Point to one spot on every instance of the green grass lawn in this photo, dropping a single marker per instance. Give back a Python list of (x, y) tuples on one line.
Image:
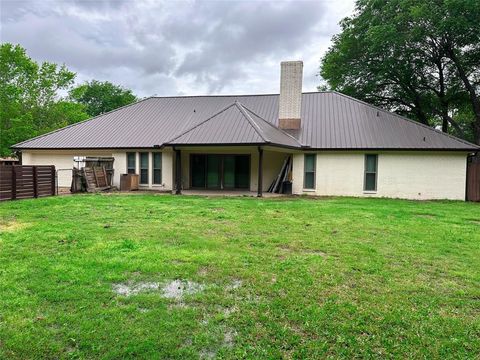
[(93, 276)]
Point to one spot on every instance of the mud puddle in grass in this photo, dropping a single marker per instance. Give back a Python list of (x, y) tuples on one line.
[(175, 289), (131, 288)]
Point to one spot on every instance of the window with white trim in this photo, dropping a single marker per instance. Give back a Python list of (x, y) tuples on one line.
[(144, 168), (157, 168), (309, 171), (131, 163), (370, 183)]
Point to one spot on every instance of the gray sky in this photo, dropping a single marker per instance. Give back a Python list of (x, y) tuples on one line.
[(177, 47)]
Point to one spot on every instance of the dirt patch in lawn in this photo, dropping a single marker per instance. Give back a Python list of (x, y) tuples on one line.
[(234, 285), (203, 271), (229, 338), (426, 216), (228, 341), (131, 288), (207, 354), (230, 310), (314, 252), (10, 226)]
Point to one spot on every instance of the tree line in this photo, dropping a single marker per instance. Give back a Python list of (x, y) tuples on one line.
[(419, 58), (37, 98)]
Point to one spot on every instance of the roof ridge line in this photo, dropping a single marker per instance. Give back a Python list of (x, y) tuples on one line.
[(197, 125), (233, 95), (273, 126), (80, 122), (251, 121), (405, 118)]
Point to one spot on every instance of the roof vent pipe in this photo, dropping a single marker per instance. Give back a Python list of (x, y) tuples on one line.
[(290, 100)]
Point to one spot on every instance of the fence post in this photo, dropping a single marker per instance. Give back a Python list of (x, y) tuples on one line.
[(35, 182), (53, 180), (14, 183)]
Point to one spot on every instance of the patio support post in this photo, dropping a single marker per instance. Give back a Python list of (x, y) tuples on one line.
[(178, 172), (260, 172)]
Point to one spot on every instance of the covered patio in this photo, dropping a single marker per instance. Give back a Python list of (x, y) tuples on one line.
[(227, 169), (212, 157)]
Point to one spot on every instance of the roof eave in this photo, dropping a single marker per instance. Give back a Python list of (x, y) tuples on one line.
[(303, 147), (468, 150)]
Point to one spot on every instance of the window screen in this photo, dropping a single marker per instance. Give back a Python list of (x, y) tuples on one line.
[(131, 163), (309, 176), (370, 173), (143, 168), (157, 168)]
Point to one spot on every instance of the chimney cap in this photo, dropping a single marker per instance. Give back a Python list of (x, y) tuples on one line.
[(291, 62)]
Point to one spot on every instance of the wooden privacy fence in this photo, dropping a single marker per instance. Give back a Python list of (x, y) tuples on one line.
[(473, 178), (26, 181)]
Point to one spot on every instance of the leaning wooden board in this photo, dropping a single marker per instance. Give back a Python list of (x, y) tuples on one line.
[(96, 179)]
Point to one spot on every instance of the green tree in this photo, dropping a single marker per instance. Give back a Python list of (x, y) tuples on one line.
[(419, 58), (29, 97), (101, 97)]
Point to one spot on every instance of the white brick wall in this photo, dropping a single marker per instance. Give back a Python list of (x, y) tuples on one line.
[(408, 175)]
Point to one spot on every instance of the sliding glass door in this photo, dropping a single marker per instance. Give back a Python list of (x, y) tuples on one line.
[(242, 172), (218, 171), (229, 171), (214, 170), (198, 172)]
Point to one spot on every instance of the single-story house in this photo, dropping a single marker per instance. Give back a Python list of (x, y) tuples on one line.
[(338, 145)]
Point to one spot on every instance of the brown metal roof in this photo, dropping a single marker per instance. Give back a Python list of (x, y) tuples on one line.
[(234, 124), (330, 121)]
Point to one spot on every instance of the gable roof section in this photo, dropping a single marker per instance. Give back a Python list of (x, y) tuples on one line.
[(234, 125), (330, 121)]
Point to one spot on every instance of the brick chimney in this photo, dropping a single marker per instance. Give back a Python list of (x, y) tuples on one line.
[(290, 100)]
